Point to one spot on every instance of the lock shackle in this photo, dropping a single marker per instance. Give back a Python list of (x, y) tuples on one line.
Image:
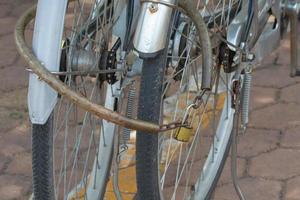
[(187, 112)]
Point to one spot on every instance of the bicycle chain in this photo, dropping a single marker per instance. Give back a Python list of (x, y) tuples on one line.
[(198, 100)]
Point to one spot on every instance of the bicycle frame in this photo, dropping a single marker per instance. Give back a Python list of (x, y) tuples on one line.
[(265, 34)]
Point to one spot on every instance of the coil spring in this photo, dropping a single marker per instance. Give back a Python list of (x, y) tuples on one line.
[(129, 113), (246, 99)]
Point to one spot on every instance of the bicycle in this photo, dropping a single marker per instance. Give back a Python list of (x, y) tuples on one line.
[(188, 63)]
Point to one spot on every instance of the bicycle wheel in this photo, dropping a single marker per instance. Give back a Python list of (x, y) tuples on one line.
[(72, 152), (168, 168)]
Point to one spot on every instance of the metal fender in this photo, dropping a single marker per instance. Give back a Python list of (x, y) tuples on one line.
[(152, 28), (46, 46)]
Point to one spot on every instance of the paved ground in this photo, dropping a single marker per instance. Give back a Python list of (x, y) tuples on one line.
[(269, 153)]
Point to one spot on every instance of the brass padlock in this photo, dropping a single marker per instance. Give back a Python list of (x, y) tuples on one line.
[(183, 134)]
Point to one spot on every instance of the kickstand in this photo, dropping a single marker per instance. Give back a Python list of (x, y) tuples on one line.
[(234, 176), (292, 12)]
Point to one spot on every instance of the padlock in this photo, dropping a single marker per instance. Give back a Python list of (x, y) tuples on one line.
[(183, 134)]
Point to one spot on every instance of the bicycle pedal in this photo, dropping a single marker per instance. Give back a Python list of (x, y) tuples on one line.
[(183, 134)]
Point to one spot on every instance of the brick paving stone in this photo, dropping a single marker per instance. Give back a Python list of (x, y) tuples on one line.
[(11, 118), (256, 141), (278, 164), (20, 164), (8, 52), (22, 6), (290, 94), (13, 77), (16, 140), (278, 116), (14, 187), (261, 97), (5, 2), (274, 76), (292, 189), (11, 149), (5, 9), (254, 189), (291, 138), (15, 99), (9, 24)]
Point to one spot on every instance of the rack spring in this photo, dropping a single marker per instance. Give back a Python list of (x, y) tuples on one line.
[(129, 113), (246, 98)]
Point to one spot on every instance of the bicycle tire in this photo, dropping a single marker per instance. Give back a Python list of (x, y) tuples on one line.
[(42, 141), (47, 139), (147, 161), (146, 143)]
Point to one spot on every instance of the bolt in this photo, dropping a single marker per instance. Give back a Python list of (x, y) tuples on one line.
[(153, 7), (250, 56)]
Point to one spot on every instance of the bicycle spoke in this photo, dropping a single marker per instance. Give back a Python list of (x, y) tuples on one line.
[(178, 159)]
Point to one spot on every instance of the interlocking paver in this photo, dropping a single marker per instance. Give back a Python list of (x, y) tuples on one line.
[(10, 149), (22, 5), (278, 116), (5, 9), (257, 141), (279, 164), (292, 189), (21, 165), (10, 118), (261, 97), (291, 138), (8, 23), (15, 99), (290, 94), (5, 2), (8, 52), (14, 187), (16, 140), (254, 189), (13, 77), (274, 76)]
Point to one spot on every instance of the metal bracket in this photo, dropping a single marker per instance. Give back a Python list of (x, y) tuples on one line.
[(235, 130)]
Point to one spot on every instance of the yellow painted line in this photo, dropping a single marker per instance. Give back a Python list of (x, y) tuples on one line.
[(127, 184), (79, 195)]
